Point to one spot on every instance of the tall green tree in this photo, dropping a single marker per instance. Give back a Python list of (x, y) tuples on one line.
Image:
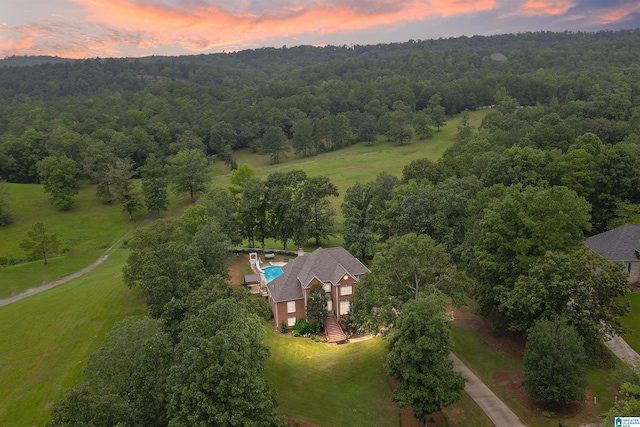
[(288, 212), (59, 175), (579, 286), (437, 111), (188, 172), (515, 229), (154, 184), (419, 347), (212, 245), (252, 212), (222, 205), (317, 306), (222, 139), (303, 137), (407, 267), (422, 124), (554, 361), (217, 379), (465, 130), (120, 175), (240, 177), (84, 405), (6, 217), (357, 229), (316, 191), (39, 243), (274, 144)]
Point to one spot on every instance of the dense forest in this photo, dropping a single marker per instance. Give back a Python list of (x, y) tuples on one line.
[(319, 98), (500, 217)]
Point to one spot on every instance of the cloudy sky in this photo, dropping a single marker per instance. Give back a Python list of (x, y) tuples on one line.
[(117, 28)]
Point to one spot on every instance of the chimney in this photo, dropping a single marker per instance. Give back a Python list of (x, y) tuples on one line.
[(300, 252)]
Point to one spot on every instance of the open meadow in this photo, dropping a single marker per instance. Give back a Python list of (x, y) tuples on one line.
[(47, 339)]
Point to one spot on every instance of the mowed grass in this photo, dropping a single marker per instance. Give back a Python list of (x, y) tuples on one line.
[(330, 385), (86, 231), (344, 385), (47, 338), (356, 163), (632, 321)]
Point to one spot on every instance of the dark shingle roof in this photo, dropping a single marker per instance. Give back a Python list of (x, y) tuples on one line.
[(619, 244), (327, 265)]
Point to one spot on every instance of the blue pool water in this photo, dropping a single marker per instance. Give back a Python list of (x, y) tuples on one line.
[(272, 272)]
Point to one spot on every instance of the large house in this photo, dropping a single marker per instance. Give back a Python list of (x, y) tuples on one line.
[(335, 269), (622, 245)]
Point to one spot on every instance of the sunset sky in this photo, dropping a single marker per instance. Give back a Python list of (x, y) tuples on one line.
[(117, 28)]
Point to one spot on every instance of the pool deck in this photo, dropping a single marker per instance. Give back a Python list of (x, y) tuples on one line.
[(262, 288)]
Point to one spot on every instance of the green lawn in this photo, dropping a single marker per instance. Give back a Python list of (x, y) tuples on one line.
[(330, 385), (632, 321), (342, 385), (47, 338)]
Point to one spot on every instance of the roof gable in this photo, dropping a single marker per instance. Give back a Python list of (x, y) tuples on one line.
[(325, 265), (619, 244)]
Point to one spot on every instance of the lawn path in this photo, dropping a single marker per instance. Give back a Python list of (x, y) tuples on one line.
[(46, 286), (495, 409)]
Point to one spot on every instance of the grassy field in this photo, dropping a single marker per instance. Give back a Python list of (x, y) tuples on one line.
[(86, 232), (357, 163), (47, 339), (343, 385)]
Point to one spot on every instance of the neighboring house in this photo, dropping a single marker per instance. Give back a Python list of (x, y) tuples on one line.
[(621, 244), (334, 268)]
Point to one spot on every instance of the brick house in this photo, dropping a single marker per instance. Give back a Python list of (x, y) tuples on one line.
[(622, 245), (335, 269)]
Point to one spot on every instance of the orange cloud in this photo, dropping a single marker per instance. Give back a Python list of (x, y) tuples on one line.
[(546, 7), (206, 27), (621, 13)]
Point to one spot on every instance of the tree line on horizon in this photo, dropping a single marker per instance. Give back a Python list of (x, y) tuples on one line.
[(320, 99)]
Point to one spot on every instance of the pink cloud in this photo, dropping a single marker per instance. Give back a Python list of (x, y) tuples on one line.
[(546, 7), (205, 26), (620, 13)]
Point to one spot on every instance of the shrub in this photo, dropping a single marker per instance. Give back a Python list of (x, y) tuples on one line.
[(302, 327), (283, 328)]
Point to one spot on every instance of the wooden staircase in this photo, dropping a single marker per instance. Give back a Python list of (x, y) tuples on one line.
[(333, 330)]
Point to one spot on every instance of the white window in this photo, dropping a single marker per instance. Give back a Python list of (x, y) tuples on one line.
[(291, 306), (344, 307), (329, 305), (327, 287), (291, 321), (346, 290)]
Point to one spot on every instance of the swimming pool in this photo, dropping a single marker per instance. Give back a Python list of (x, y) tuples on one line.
[(272, 272)]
